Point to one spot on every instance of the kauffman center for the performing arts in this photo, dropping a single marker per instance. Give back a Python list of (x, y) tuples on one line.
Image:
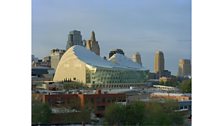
[(82, 65)]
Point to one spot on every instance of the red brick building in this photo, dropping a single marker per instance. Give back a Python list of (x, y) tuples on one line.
[(96, 102), (99, 101)]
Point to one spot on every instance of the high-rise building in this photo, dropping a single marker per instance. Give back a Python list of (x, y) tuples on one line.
[(137, 58), (184, 68), (56, 55), (93, 45), (74, 38), (159, 62), (115, 51)]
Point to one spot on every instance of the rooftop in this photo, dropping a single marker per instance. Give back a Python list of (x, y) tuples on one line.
[(116, 61)]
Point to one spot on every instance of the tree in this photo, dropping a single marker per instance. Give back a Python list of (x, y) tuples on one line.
[(86, 111), (162, 114), (185, 86), (40, 112), (153, 113), (115, 114), (73, 104), (134, 113), (74, 85)]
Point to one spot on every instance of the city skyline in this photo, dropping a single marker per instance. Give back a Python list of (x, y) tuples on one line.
[(143, 27)]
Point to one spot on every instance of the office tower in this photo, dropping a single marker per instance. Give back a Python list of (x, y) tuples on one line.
[(159, 62), (184, 68), (137, 58), (56, 55), (74, 38), (114, 51), (92, 44)]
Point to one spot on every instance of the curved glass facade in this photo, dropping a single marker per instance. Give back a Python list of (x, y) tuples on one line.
[(105, 76)]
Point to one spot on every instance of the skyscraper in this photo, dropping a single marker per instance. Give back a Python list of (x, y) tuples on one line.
[(159, 62), (92, 44), (184, 68), (137, 58), (74, 38)]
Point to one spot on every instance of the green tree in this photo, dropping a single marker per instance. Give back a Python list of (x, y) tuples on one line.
[(115, 114), (134, 113), (40, 112), (185, 86), (153, 113), (74, 85), (85, 116), (162, 114)]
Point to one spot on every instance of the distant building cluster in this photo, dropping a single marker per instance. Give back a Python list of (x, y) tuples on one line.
[(81, 62), (184, 69), (75, 38), (77, 78)]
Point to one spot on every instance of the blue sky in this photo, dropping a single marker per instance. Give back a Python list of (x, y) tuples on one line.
[(143, 26)]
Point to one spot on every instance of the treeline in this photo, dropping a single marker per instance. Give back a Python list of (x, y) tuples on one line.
[(184, 86), (42, 114), (141, 114)]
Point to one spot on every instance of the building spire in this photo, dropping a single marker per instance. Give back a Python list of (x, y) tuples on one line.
[(93, 38)]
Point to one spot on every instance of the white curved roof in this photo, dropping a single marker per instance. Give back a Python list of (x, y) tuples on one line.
[(116, 61), (90, 57), (123, 61)]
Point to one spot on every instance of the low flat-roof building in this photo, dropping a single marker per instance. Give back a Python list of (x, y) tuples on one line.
[(97, 101), (167, 79), (173, 96), (40, 74)]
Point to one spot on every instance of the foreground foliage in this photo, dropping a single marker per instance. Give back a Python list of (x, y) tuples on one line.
[(185, 86), (139, 113), (40, 113)]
